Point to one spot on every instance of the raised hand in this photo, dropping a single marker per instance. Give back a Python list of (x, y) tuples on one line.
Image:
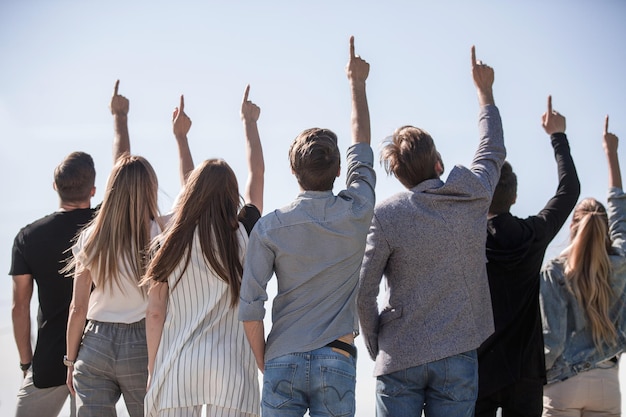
[(250, 112), (483, 76), (357, 68), (119, 104), (552, 121), (610, 141), (181, 123)]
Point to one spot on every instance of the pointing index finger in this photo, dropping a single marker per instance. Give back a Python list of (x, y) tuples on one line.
[(606, 124), (245, 93), (352, 55), (117, 85), (181, 107), (473, 56), (549, 104)]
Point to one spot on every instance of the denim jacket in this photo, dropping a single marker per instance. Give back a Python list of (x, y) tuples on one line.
[(569, 346)]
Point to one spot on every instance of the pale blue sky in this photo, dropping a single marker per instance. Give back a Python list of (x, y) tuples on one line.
[(60, 60)]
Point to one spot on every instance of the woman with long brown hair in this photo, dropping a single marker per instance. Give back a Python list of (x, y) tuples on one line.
[(198, 354), (583, 305)]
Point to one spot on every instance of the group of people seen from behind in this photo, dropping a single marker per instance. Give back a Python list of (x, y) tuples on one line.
[(167, 310)]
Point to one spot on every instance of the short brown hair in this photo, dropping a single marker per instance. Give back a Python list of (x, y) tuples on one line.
[(75, 177), (315, 160), (505, 192), (410, 155)]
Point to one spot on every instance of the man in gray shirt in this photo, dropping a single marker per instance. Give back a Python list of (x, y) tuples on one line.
[(429, 243), (315, 247)]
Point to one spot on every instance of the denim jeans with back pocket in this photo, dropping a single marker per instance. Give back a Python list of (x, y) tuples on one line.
[(321, 380), (443, 388)]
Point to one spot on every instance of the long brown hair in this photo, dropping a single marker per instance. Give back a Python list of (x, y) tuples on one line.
[(121, 229), (209, 202), (588, 268)]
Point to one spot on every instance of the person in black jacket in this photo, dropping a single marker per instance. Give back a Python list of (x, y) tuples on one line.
[(511, 361)]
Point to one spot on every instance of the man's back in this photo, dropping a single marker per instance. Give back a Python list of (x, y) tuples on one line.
[(511, 361), (40, 250), (316, 246)]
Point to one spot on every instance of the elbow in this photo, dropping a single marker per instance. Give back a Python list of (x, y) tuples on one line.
[(78, 310), (155, 315)]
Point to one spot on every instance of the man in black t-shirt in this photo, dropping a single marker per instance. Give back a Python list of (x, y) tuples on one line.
[(39, 252)]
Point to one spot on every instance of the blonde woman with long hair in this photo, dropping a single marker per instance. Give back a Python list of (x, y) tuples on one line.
[(106, 338), (583, 305), (198, 354)]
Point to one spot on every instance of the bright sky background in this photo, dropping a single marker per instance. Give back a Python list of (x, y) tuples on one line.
[(60, 60)]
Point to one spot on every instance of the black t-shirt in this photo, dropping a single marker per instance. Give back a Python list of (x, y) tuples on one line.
[(41, 249), (248, 216)]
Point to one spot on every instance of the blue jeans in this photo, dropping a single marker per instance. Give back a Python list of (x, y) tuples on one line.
[(443, 388), (321, 380), (112, 360)]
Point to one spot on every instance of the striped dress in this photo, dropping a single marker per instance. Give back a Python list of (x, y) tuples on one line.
[(203, 356)]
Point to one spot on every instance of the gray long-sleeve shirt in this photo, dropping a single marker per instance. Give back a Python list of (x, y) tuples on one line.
[(315, 247), (429, 243)]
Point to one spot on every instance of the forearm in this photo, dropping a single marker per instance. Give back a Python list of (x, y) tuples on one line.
[(255, 333), (615, 175), (21, 331), (185, 159), (121, 139), (360, 118), (491, 152), (568, 189), (256, 165), (75, 327), (154, 331)]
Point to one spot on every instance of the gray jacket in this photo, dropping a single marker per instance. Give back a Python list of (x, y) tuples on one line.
[(429, 243)]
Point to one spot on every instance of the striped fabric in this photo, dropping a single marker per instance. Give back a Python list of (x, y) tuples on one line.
[(203, 356)]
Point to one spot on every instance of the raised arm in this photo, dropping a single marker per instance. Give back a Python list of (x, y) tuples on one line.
[(555, 213), (357, 71), (119, 109), (250, 112), (610, 142), (483, 79), (181, 123)]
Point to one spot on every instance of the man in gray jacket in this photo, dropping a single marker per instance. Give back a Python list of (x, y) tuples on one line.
[(429, 243)]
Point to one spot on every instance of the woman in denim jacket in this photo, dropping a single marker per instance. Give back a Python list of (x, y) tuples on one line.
[(583, 304)]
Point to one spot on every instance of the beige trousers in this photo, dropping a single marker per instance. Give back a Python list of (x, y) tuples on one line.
[(591, 393)]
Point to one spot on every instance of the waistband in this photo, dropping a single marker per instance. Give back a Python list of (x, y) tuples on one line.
[(346, 347), (136, 325)]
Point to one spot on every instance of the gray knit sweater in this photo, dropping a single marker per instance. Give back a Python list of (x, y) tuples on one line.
[(429, 244)]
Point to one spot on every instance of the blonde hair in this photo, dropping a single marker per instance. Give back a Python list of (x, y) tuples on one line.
[(121, 229), (209, 203), (588, 268)]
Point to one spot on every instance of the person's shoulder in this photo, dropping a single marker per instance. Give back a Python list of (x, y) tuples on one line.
[(42, 223), (393, 203)]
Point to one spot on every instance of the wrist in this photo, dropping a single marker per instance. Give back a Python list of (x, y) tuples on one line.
[(68, 362), (25, 366), (357, 84)]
